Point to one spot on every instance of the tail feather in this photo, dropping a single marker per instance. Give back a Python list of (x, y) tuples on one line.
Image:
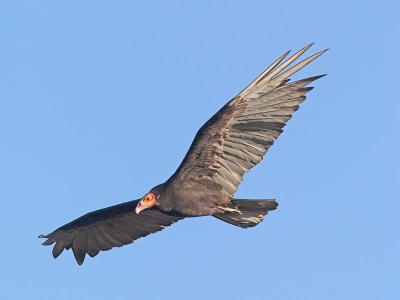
[(247, 213)]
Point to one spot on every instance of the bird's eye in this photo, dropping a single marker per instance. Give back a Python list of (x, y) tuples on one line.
[(149, 197)]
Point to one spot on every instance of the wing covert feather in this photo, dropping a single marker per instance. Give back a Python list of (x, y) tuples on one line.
[(238, 136)]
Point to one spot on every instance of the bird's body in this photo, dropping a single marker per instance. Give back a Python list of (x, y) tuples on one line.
[(191, 203), (228, 145)]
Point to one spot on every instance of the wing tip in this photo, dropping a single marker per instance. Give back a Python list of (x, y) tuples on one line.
[(308, 46), (49, 239), (312, 78), (80, 260), (319, 53), (312, 44)]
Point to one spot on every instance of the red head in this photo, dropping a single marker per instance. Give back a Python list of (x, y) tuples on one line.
[(149, 200)]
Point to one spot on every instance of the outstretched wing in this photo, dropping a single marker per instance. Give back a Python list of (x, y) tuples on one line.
[(106, 228), (237, 137)]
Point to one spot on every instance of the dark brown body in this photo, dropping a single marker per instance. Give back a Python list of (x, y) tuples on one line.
[(190, 200)]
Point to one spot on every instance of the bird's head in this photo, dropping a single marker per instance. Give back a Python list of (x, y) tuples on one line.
[(149, 200)]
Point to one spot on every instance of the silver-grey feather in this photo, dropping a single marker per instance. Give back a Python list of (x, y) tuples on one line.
[(245, 128)]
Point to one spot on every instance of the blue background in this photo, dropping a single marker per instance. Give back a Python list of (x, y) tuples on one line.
[(99, 101)]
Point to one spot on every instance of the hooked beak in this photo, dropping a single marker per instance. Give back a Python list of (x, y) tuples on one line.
[(146, 202), (139, 207)]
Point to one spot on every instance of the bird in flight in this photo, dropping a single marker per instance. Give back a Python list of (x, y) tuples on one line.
[(228, 145)]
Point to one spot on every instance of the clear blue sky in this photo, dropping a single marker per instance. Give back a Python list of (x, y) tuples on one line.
[(99, 101)]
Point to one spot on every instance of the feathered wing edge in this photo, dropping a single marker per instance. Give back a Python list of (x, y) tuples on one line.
[(273, 70), (106, 228), (238, 136)]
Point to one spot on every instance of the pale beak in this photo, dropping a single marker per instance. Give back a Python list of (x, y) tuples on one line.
[(139, 207)]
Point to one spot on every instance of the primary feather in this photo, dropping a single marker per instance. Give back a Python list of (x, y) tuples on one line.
[(237, 137)]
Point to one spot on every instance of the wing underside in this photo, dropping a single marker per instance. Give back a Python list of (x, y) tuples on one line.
[(106, 228)]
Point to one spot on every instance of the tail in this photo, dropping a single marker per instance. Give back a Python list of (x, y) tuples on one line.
[(246, 213)]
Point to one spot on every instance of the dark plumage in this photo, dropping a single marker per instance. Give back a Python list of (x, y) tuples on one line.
[(229, 144)]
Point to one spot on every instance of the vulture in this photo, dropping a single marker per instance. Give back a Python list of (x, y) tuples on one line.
[(228, 145)]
